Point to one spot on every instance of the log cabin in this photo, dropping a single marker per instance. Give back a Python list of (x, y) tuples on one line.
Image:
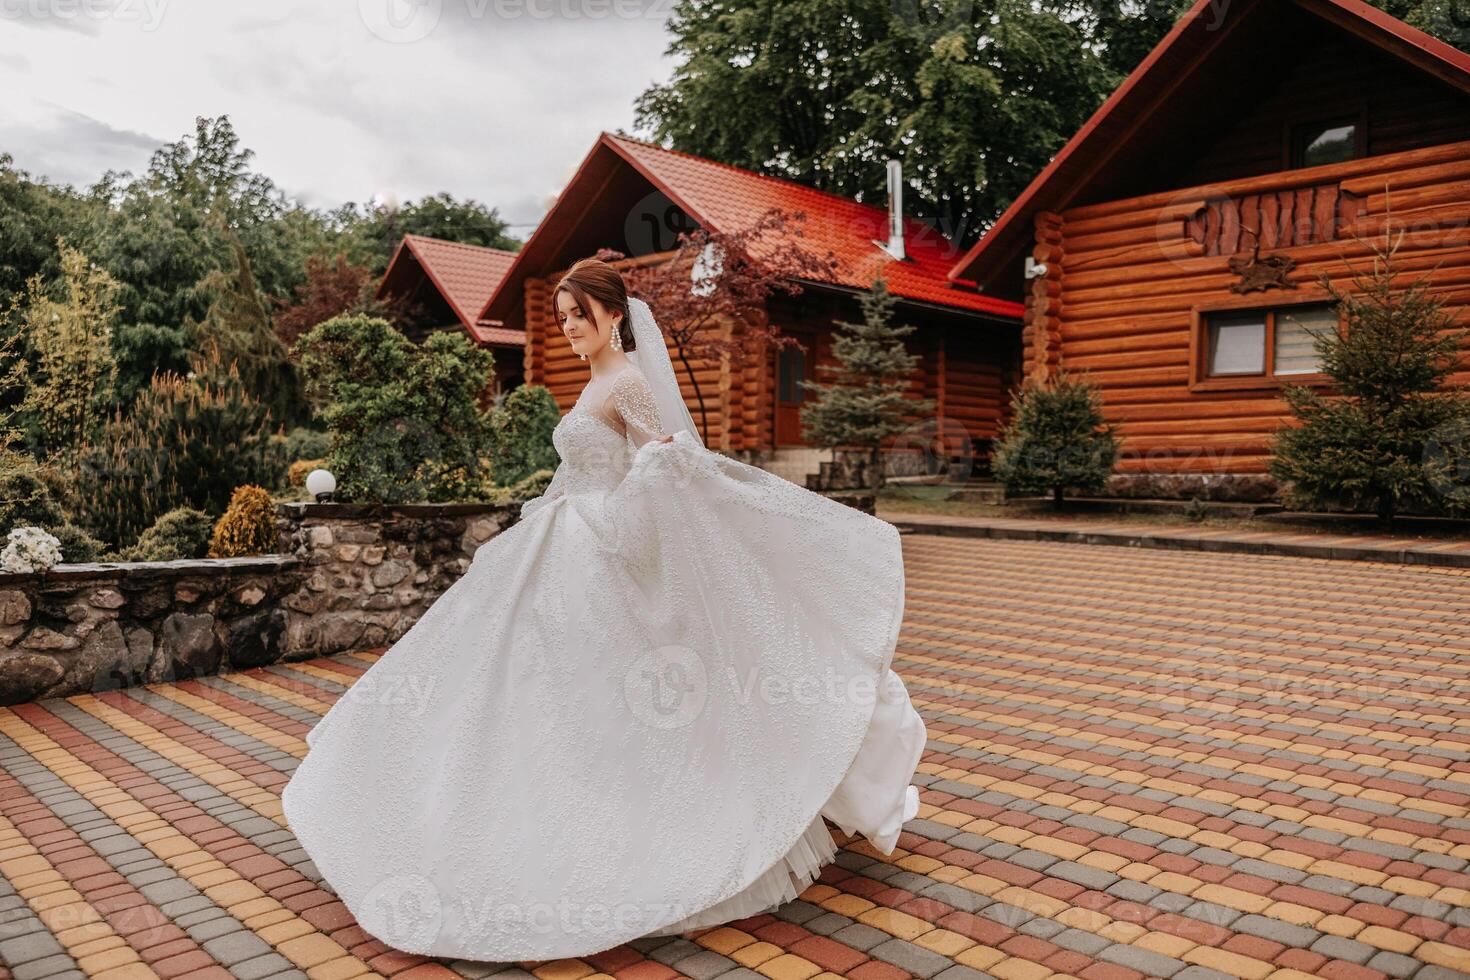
[(443, 285), (1173, 249), (635, 197)]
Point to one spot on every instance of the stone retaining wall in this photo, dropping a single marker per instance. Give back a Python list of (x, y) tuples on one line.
[(349, 576)]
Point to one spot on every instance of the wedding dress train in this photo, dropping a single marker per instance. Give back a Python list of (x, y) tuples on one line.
[(628, 717)]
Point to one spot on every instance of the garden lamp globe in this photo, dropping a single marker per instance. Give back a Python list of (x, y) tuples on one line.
[(321, 484)]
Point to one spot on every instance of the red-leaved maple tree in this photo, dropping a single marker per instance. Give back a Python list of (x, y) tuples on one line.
[(714, 279)]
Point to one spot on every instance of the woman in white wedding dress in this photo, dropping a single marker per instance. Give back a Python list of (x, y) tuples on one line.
[(631, 714)]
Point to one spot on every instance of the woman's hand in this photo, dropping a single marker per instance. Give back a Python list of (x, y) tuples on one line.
[(667, 439)]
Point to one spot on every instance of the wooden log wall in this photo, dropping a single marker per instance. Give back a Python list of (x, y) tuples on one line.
[(1335, 75), (974, 365), (1131, 272)]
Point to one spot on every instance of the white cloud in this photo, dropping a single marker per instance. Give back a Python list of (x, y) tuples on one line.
[(496, 100)]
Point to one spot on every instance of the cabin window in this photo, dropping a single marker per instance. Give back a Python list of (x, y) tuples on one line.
[(1237, 343), (1267, 343), (1324, 141)]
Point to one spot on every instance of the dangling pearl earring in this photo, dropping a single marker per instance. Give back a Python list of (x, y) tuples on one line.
[(616, 340)]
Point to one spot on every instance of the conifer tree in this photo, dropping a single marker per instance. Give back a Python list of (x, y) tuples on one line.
[(1391, 436), (1057, 438), (870, 400)]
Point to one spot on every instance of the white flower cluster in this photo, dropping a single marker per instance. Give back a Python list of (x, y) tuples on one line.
[(29, 549)]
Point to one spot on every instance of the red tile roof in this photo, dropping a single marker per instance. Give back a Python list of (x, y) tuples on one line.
[(723, 198), (1115, 126), (465, 275)]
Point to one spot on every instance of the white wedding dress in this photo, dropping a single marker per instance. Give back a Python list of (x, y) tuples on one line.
[(628, 717)]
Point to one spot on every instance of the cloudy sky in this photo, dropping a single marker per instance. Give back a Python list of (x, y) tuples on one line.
[(341, 100)]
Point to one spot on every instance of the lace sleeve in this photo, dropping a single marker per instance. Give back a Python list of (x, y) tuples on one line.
[(633, 401), (553, 490)]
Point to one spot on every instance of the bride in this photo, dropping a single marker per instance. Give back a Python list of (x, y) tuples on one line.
[(632, 713)]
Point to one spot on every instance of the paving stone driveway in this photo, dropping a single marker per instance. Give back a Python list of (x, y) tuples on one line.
[(1141, 763)]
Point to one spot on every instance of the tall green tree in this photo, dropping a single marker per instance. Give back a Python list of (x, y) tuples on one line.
[(163, 233), (377, 229), (33, 214), (67, 332), (869, 400), (238, 325), (975, 96), (1393, 435)]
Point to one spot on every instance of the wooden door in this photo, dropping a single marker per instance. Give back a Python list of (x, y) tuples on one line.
[(794, 364)]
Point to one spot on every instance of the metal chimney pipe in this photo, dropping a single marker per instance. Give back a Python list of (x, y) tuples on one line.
[(894, 245)]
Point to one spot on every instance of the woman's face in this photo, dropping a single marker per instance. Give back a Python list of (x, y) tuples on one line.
[(588, 330)]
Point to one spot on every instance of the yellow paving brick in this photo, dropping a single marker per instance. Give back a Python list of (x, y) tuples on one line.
[(944, 942), (1165, 943), (949, 874), (1339, 925), (1410, 886), (789, 966), (1103, 860), (980, 957), (919, 864), (311, 950), (725, 940), (755, 954), (982, 884), (108, 959), (1232, 898), (232, 892), (895, 923), (1013, 968), (137, 970), (1033, 902), (1061, 848), (1122, 932), (287, 929), (343, 968), (1453, 896), (1297, 915), (1171, 881), (1228, 963), (1442, 954), (848, 905), (1390, 939)]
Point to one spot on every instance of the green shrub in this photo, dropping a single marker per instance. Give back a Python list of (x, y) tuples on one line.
[(532, 485), (187, 442), (520, 434), (76, 544), (247, 527), (404, 419), (1056, 439), (305, 443), (183, 532), (26, 496)]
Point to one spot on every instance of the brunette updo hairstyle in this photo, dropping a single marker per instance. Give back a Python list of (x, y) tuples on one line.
[(600, 281)]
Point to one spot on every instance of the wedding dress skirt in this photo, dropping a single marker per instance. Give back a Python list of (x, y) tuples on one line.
[(628, 717)]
